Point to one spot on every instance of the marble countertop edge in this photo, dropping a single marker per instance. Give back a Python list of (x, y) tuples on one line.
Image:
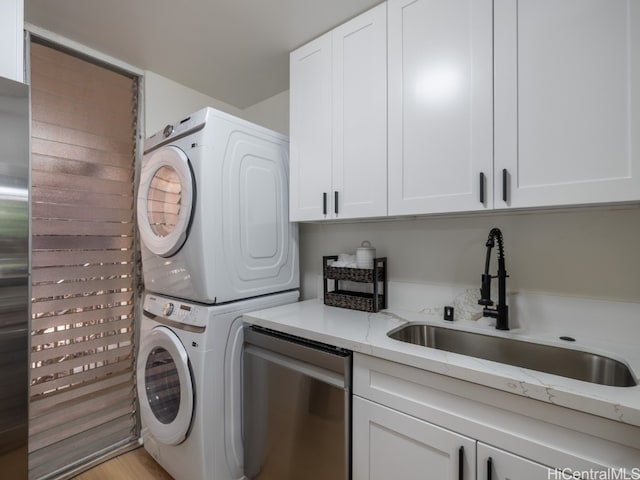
[(367, 333)]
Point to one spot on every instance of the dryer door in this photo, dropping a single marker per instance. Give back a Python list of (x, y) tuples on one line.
[(165, 386), (165, 200)]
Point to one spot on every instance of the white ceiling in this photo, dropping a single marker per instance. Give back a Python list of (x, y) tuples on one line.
[(236, 51)]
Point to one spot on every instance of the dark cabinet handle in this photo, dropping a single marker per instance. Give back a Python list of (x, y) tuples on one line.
[(324, 203), (482, 187), (335, 202), (489, 468), (504, 184), (461, 463)]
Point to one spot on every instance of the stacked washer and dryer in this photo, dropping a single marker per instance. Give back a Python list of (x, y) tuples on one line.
[(216, 242)]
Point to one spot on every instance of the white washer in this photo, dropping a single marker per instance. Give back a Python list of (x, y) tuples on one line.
[(213, 211), (188, 379)]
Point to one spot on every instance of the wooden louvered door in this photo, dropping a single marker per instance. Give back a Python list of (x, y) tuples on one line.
[(84, 122)]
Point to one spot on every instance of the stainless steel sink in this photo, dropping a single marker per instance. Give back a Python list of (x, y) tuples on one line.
[(585, 366)]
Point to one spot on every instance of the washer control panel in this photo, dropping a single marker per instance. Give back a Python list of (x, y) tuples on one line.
[(176, 310), (173, 131)]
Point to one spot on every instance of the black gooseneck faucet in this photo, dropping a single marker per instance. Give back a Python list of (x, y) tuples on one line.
[(501, 312)]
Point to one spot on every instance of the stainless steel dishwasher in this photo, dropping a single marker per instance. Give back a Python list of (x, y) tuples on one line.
[(296, 408)]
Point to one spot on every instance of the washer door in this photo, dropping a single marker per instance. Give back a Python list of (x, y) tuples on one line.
[(165, 200), (165, 386)]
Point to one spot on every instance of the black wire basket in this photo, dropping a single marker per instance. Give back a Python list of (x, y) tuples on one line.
[(372, 300)]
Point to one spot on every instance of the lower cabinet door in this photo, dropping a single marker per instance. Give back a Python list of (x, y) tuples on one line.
[(389, 445), (496, 464)]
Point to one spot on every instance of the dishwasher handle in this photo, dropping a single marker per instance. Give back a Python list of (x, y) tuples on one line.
[(307, 369)]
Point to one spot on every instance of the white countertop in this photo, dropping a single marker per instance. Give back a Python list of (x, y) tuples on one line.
[(367, 333)]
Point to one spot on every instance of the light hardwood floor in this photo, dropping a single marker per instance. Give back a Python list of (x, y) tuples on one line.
[(134, 465)]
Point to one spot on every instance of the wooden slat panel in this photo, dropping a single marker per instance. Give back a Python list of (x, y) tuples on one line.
[(75, 332), (66, 79), (81, 287), (80, 212), (77, 322), (111, 318), (51, 108), (65, 304), (114, 368), (74, 70), (66, 242), (88, 199), (79, 272), (68, 429), (79, 183), (48, 403), (79, 447), (80, 347), (62, 258), (62, 227), (107, 100), (82, 167), (80, 405), (55, 132), (83, 158), (53, 93), (75, 152), (115, 354), (106, 97), (80, 67), (82, 83)]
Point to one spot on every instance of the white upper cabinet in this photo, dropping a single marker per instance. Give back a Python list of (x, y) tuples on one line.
[(492, 104), (360, 115), (11, 39), (567, 101), (338, 118), (310, 130), (440, 106)]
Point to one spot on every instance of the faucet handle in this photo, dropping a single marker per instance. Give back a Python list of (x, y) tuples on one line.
[(486, 302), (485, 291)]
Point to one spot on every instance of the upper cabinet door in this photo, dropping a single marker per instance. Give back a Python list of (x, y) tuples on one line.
[(360, 116), (440, 106), (567, 101), (310, 130), (12, 39)]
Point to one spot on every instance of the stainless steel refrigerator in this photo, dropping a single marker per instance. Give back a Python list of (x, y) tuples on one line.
[(14, 278)]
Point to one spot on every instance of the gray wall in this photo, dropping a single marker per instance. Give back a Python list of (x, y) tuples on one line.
[(591, 252)]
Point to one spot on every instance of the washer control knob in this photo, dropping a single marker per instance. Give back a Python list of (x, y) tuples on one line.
[(168, 130), (168, 309)]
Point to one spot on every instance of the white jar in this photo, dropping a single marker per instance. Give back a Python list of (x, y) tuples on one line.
[(365, 255)]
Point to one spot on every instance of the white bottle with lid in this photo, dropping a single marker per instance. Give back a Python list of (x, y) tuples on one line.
[(365, 255)]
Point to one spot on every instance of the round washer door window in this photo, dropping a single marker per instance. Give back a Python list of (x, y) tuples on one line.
[(165, 386), (165, 200)]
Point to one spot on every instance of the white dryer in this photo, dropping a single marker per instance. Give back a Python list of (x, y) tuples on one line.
[(213, 211), (188, 380)]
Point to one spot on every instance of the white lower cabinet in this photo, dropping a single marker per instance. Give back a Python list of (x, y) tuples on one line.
[(388, 444), (409, 423), (496, 464)]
